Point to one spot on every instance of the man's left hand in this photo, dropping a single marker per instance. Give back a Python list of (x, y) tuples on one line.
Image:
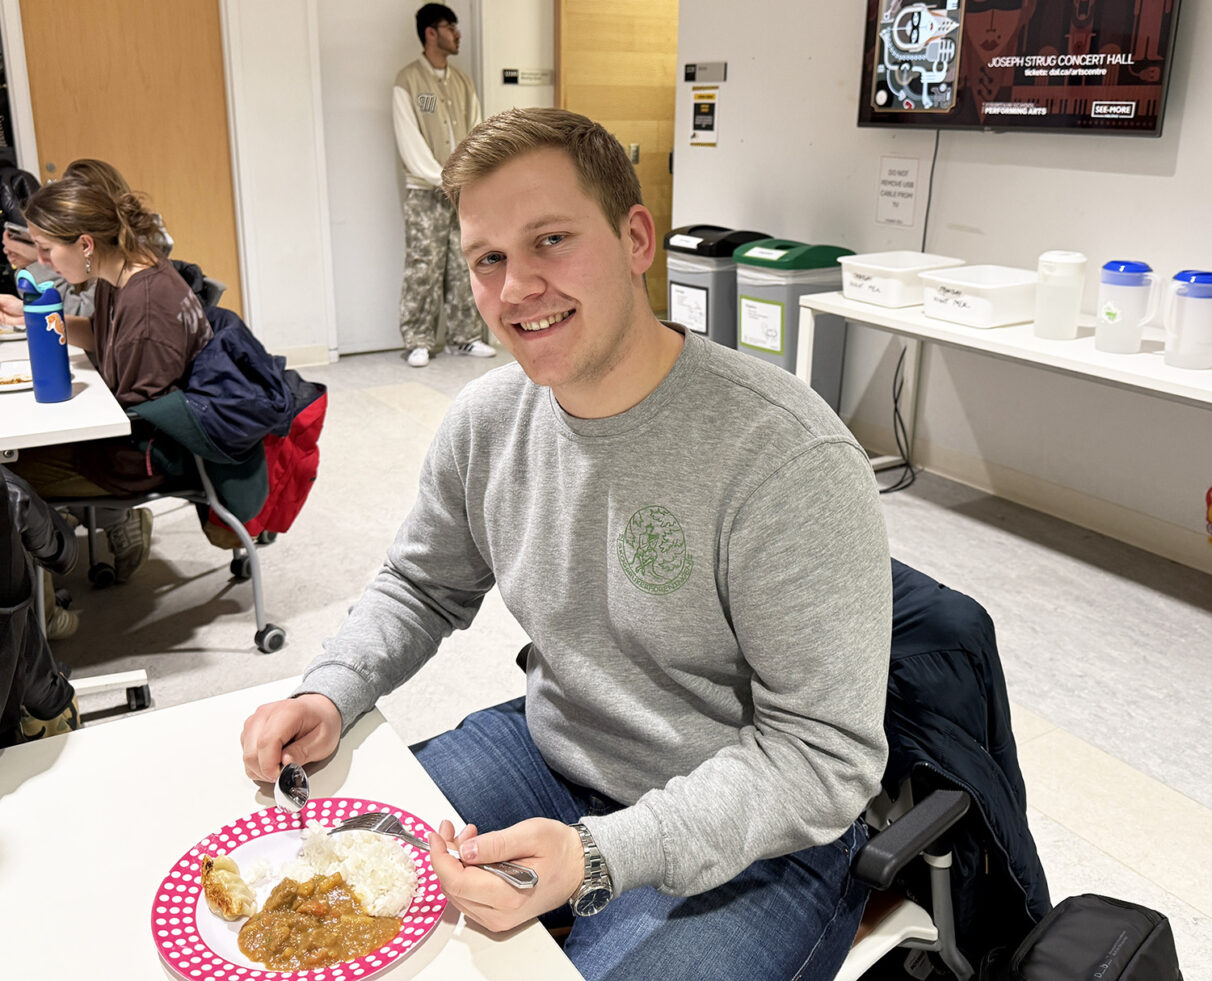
[(552, 849)]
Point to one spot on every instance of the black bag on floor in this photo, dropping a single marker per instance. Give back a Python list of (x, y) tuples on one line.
[(1093, 938)]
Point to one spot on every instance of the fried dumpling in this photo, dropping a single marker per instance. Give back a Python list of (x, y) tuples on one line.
[(226, 893)]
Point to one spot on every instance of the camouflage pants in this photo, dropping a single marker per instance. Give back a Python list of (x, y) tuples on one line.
[(435, 274)]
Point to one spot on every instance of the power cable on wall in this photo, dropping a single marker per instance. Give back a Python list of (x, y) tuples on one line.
[(899, 432)]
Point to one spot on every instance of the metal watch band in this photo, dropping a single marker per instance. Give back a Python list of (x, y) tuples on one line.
[(595, 865)]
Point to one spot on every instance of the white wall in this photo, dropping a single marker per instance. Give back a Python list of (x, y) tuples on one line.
[(792, 162), (278, 156), (516, 34)]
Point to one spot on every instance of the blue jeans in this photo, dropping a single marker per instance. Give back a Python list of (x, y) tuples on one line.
[(785, 919)]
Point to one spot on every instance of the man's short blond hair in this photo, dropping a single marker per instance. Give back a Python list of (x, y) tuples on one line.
[(603, 168)]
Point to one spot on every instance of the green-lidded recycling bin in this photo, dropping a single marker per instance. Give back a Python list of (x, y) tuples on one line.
[(771, 276), (702, 278)]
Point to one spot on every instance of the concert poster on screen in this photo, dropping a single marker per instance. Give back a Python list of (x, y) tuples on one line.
[(1098, 66)]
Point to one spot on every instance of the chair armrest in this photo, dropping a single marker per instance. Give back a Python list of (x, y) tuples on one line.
[(879, 861)]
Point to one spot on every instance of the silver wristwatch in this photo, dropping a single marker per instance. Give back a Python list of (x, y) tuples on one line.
[(596, 889)]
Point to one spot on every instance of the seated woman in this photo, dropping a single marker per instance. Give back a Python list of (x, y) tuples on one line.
[(145, 331)]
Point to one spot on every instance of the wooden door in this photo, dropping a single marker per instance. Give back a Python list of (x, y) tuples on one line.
[(617, 63), (140, 83)]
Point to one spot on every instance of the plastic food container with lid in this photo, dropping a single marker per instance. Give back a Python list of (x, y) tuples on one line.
[(889, 279), (980, 296)]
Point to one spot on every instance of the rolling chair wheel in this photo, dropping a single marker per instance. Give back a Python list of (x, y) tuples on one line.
[(102, 575), (267, 538), (138, 698), (270, 639), (241, 567)]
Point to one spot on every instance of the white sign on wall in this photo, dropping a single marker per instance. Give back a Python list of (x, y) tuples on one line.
[(897, 201)]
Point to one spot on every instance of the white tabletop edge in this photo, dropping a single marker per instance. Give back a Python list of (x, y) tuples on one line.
[(91, 413)]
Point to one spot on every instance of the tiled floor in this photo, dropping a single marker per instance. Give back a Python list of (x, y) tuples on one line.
[(1107, 650)]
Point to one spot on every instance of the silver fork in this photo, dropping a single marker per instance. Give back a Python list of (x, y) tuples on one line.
[(383, 823)]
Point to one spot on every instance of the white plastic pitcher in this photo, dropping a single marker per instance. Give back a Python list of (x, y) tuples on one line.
[(1058, 294), (1128, 295), (1188, 320)]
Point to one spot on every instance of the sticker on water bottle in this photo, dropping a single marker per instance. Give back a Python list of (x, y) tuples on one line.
[(54, 321)]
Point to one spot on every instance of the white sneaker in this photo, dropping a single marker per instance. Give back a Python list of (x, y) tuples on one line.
[(474, 349), (418, 357)]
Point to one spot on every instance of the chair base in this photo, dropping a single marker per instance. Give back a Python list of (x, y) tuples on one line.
[(138, 692), (890, 921), (245, 564)]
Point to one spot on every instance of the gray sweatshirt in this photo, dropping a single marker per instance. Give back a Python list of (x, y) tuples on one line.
[(706, 582)]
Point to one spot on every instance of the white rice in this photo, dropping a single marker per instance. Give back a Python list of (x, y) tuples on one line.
[(376, 868)]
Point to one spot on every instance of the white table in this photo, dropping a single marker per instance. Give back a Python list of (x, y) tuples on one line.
[(91, 413), (1145, 371), (92, 821)]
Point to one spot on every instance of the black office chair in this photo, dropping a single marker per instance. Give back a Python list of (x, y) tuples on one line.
[(953, 797)]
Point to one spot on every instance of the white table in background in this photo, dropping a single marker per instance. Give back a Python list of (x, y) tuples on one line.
[(91, 413), (1144, 371), (91, 822)]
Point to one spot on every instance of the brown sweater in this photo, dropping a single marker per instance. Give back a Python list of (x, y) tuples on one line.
[(147, 333)]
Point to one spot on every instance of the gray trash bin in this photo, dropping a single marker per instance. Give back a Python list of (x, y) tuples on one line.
[(702, 279), (771, 275)]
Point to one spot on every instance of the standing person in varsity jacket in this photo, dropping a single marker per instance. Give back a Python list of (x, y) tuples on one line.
[(434, 105)]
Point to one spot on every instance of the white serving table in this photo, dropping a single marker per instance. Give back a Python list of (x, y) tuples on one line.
[(1145, 371), (92, 821), (91, 413)]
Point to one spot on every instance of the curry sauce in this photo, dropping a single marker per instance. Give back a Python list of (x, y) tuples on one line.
[(313, 924)]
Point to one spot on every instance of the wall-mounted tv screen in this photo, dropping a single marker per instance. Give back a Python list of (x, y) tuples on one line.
[(1096, 66)]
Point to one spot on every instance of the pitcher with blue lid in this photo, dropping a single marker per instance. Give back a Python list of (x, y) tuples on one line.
[(46, 333), (1188, 320), (1128, 294)]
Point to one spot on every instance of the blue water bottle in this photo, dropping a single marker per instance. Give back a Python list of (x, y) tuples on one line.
[(46, 332)]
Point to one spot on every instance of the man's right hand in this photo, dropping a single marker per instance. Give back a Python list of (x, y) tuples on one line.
[(295, 730)]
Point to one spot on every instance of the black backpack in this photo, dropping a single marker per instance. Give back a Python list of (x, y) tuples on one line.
[(1092, 938)]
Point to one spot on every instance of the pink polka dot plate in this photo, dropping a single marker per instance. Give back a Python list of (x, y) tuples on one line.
[(200, 946)]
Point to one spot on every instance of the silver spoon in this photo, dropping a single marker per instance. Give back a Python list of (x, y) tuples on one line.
[(291, 789)]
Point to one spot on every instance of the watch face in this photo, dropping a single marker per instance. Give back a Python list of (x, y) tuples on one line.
[(592, 900)]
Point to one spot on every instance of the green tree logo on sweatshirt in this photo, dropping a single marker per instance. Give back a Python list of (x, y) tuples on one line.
[(652, 551)]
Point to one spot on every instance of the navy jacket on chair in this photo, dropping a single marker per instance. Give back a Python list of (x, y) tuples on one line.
[(948, 724), (235, 395)]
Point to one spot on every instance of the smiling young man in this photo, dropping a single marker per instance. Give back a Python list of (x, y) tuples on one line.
[(693, 542)]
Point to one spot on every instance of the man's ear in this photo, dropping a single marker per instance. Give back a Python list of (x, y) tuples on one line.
[(641, 233)]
